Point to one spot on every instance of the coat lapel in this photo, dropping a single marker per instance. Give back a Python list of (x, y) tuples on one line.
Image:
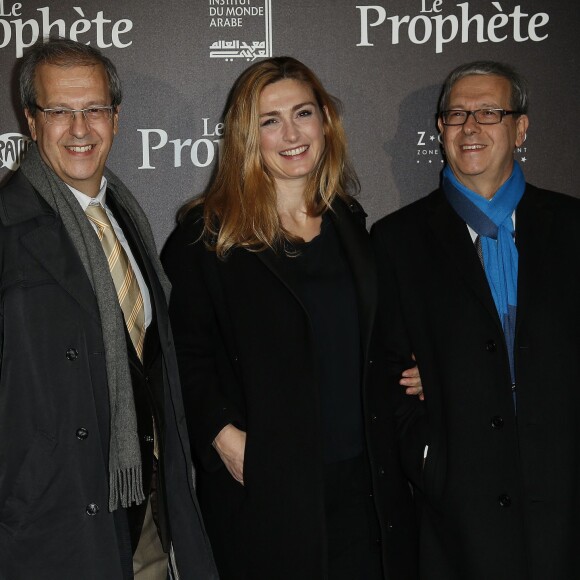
[(48, 243), (534, 221), (358, 249), (459, 251), (270, 260), (50, 246)]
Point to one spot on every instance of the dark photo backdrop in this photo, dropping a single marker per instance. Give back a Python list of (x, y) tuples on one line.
[(384, 59)]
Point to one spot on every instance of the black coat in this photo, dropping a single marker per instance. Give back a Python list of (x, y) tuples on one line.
[(500, 496), (54, 411), (244, 347)]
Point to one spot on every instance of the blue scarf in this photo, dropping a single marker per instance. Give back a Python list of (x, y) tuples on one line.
[(492, 220)]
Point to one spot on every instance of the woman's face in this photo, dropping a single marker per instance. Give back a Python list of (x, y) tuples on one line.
[(291, 132)]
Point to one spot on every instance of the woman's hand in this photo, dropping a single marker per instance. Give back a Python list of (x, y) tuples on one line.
[(230, 443), (411, 379)]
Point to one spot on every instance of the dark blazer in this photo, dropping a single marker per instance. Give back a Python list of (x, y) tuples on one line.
[(243, 342), (54, 413), (499, 493)]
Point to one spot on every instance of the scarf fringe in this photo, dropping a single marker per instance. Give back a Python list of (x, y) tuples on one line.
[(126, 487)]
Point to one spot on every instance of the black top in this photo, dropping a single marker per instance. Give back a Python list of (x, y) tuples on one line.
[(323, 281)]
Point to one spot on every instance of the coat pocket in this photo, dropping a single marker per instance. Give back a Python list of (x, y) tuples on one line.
[(30, 484), (246, 462), (434, 472)]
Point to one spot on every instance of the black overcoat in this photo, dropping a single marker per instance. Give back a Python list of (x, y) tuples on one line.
[(500, 492), (243, 341), (54, 410)]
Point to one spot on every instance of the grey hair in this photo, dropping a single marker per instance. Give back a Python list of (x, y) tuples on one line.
[(519, 94), (65, 53)]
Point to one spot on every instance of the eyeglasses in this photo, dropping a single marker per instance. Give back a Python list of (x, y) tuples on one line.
[(481, 116), (63, 116)]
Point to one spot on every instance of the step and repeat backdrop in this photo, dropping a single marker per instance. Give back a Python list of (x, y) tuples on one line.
[(384, 59)]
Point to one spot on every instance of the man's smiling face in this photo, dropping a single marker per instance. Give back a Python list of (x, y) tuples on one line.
[(76, 152)]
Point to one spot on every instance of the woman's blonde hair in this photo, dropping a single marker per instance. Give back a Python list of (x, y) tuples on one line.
[(239, 206)]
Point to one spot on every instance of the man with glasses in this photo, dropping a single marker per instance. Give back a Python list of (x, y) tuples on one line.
[(481, 280), (95, 471)]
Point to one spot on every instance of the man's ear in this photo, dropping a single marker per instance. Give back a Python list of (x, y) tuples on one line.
[(116, 119), (31, 119), (522, 124)]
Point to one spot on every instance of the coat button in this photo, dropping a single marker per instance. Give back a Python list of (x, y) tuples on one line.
[(490, 346), (72, 353), (92, 509), (82, 433), (381, 471), (497, 422), (504, 500), (148, 438), (371, 362), (373, 417)]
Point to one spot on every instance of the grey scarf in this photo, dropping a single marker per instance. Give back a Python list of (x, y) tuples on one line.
[(125, 470)]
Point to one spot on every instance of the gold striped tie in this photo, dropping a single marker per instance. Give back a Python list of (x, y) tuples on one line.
[(126, 284)]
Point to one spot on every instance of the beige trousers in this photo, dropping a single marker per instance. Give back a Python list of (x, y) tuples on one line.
[(149, 560)]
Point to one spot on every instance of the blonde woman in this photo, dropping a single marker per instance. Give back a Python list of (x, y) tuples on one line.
[(273, 304)]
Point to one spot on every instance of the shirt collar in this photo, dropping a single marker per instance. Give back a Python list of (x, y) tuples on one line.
[(86, 200)]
